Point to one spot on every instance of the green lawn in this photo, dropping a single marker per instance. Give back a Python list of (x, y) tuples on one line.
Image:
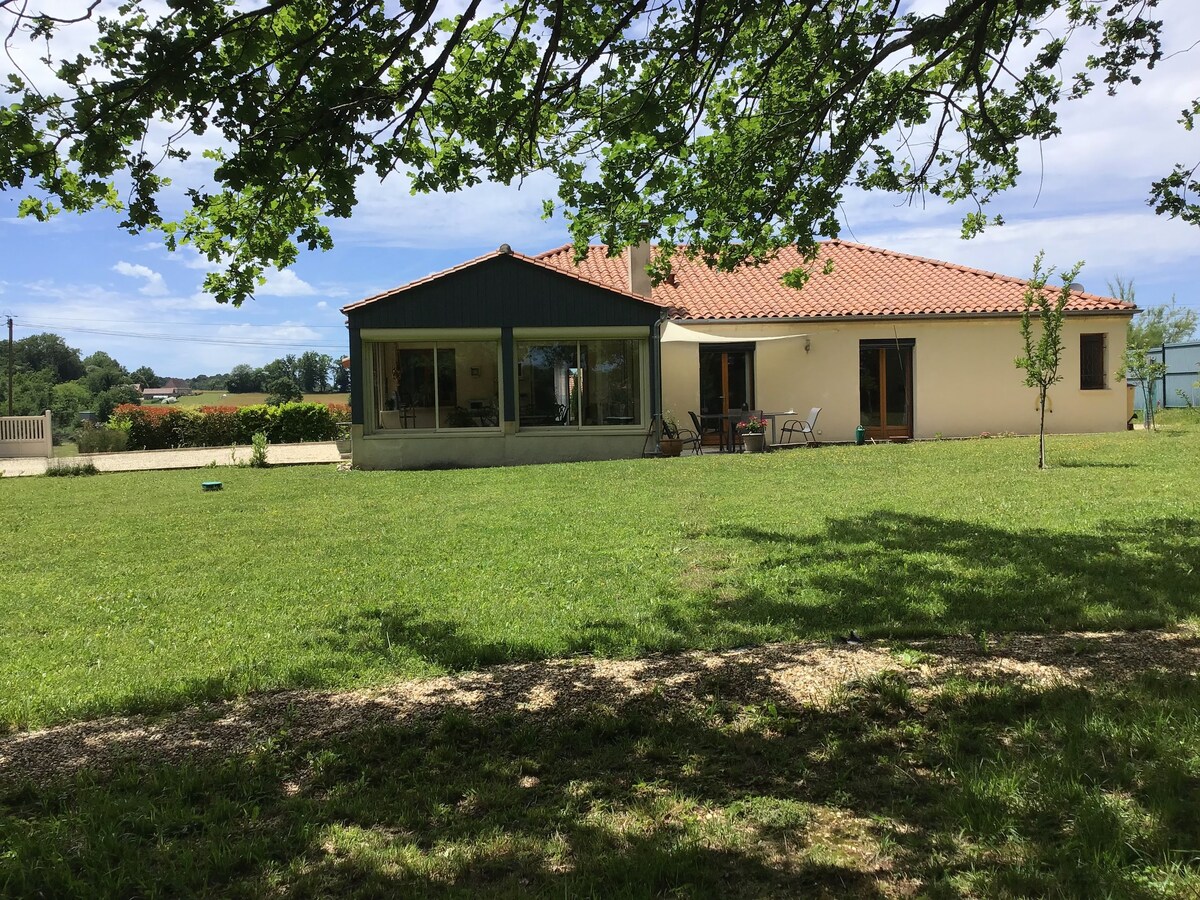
[(140, 592)]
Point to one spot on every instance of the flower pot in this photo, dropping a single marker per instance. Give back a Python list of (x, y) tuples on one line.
[(755, 442), (670, 447)]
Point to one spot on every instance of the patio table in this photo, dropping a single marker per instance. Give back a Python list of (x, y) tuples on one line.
[(732, 418), (735, 417)]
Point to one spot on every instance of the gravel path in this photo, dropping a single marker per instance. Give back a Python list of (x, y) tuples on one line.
[(190, 458), (808, 673)]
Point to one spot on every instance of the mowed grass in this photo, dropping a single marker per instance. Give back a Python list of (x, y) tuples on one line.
[(223, 398), (138, 592)]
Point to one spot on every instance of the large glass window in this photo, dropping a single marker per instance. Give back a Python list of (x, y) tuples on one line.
[(436, 385), (588, 382)]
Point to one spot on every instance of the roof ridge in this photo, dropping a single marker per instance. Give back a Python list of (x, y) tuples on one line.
[(424, 278), (553, 250), (538, 261)]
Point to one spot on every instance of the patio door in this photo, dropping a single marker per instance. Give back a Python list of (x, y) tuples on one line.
[(726, 380), (885, 388)]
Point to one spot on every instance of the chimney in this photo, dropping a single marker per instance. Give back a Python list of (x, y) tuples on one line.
[(639, 278)]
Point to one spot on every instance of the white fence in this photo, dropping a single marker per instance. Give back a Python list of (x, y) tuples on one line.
[(25, 436)]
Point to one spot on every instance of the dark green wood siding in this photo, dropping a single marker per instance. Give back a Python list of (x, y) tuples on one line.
[(502, 292)]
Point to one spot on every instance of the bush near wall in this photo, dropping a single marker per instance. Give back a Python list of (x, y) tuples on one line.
[(101, 440), (214, 426), (162, 428), (152, 427)]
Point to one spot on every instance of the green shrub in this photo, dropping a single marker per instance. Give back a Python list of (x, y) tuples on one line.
[(288, 423), (102, 440), (159, 428), (60, 468), (298, 422), (152, 427), (211, 427), (258, 453), (253, 419)]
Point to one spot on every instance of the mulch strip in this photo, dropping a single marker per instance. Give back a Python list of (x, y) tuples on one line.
[(804, 673)]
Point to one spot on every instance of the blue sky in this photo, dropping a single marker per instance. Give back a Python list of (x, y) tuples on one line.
[(1082, 197)]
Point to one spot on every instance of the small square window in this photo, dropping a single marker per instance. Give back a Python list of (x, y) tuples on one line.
[(1091, 362)]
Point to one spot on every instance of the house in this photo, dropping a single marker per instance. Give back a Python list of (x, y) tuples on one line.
[(510, 358), (165, 393), (1178, 386)]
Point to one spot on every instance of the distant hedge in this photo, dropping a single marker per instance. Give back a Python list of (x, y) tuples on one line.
[(163, 427)]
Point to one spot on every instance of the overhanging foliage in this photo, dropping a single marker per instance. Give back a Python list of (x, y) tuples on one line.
[(727, 125)]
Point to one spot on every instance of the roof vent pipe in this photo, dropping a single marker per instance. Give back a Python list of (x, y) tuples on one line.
[(639, 261)]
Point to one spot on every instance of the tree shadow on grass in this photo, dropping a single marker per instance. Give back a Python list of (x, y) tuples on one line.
[(885, 574), (1093, 464), (881, 574), (723, 785), (904, 574)]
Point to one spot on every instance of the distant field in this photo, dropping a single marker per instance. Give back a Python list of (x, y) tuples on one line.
[(217, 398)]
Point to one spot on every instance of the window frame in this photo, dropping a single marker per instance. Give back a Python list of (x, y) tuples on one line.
[(578, 337), (374, 340), (1093, 345)]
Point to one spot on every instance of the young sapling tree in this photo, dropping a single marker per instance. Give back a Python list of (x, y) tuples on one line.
[(1043, 354), (1138, 366)]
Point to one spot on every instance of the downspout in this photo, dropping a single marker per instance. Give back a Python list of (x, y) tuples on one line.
[(656, 375), (1166, 369), (356, 375)]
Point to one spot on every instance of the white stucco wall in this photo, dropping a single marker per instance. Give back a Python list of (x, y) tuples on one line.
[(964, 378)]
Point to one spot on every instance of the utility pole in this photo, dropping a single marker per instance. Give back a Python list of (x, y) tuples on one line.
[(10, 365)]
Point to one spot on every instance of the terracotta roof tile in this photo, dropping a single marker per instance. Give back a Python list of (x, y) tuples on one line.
[(865, 281)]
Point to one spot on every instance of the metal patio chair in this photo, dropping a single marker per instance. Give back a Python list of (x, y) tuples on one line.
[(690, 439), (702, 429), (803, 427)]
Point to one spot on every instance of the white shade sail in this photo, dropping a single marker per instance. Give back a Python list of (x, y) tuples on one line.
[(672, 332)]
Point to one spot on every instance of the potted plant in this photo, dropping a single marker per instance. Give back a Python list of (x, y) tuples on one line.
[(669, 443), (753, 436)]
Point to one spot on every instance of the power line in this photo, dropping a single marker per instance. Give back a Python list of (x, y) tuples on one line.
[(193, 322), (187, 339)]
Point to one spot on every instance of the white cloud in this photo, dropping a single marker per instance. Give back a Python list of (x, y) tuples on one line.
[(484, 216), (191, 258), (176, 336), (154, 286), (1109, 243), (321, 304), (284, 283)]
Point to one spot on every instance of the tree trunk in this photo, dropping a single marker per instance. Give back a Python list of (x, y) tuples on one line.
[(1042, 430)]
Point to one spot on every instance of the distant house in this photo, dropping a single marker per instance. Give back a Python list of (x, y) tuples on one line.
[(510, 358), (1183, 371), (164, 393)]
